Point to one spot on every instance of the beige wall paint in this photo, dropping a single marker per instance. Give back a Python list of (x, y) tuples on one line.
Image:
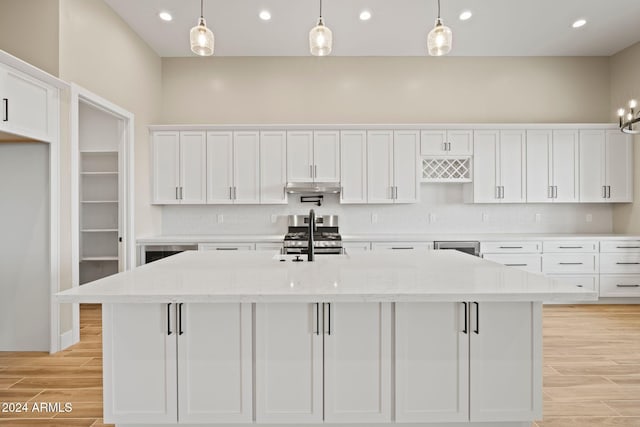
[(384, 89), (114, 63), (625, 85), (29, 30)]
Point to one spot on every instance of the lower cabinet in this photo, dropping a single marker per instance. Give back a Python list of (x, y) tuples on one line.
[(486, 364), (169, 363), (323, 358)]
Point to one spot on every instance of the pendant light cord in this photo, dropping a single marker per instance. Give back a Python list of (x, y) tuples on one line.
[(202, 8), (438, 9), (321, 9)]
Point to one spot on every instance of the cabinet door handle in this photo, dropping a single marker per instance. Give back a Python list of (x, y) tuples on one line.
[(180, 331), (310, 171), (177, 196), (477, 329), (550, 192), (497, 192), (315, 171), (169, 331), (627, 286), (235, 193), (181, 193), (604, 191), (466, 320), (627, 263), (230, 193), (316, 318), (570, 263), (5, 102), (226, 249), (326, 309), (516, 265), (510, 247), (609, 191), (570, 247), (402, 247), (628, 247)]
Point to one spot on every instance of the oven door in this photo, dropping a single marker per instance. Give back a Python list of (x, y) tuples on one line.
[(471, 248), (317, 251)]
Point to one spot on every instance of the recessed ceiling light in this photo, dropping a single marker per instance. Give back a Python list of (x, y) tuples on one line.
[(465, 15), (165, 16), (579, 23), (265, 15), (365, 15)]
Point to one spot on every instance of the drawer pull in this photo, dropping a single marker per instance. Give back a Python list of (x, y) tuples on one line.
[(627, 247), (511, 247), (628, 263), (627, 286), (226, 249), (402, 247), (570, 247), (516, 265), (580, 286), (570, 263)]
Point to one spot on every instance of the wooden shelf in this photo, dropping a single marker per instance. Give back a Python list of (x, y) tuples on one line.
[(99, 173), (99, 201), (99, 258)]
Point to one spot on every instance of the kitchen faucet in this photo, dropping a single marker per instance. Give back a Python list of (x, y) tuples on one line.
[(312, 229)]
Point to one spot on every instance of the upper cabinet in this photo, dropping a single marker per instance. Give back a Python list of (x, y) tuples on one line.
[(392, 166), (233, 167), (446, 143), (606, 166), (353, 166), (552, 166), (499, 166), (179, 167), (273, 167), (29, 106), (313, 156)]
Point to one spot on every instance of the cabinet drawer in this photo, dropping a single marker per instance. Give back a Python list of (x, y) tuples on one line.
[(531, 263), (620, 263), (402, 246), (510, 247), (570, 246), (226, 246), (351, 247), (586, 282), (269, 246), (570, 263), (620, 246), (620, 286)]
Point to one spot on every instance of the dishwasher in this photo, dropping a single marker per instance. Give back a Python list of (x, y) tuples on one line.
[(150, 253), (471, 248)]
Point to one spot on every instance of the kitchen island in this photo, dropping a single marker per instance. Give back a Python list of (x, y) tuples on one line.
[(437, 339)]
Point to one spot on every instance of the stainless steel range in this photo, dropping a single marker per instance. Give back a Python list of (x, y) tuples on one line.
[(326, 240)]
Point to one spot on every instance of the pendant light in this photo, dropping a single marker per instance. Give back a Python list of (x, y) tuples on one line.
[(320, 38), (201, 37), (440, 38)]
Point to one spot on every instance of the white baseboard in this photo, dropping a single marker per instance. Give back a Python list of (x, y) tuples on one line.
[(66, 340)]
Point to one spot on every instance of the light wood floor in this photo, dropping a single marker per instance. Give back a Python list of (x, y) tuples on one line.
[(591, 371)]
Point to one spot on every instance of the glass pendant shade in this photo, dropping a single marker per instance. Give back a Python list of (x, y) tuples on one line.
[(202, 41), (320, 40), (439, 40)]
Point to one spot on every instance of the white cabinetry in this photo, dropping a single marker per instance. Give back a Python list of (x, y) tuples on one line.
[(432, 381), (29, 106), (522, 255), (486, 366), (392, 166), (233, 165), (505, 361), (355, 247), (232, 246), (620, 268), (273, 167), (552, 166), (179, 167), (162, 360), (353, 167), (315, 358), (499, 169), (446, 143), (402, 246), (313, 156), (606, 166)]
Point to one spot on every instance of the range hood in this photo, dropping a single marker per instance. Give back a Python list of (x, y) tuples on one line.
[(312, 187)]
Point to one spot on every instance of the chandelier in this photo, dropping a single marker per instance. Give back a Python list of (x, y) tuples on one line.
[(629, 119)]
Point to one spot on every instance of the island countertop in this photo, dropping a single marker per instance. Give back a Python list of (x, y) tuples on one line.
[(204, 276)]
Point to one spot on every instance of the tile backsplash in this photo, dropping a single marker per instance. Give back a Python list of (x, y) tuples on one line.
[(440, 210)]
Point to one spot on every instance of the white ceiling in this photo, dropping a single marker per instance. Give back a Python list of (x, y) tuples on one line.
[(397, 28)]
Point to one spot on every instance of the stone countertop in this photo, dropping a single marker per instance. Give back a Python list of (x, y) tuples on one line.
[(261, 276)]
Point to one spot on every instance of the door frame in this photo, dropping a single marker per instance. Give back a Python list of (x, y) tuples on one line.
[(126, 183)]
